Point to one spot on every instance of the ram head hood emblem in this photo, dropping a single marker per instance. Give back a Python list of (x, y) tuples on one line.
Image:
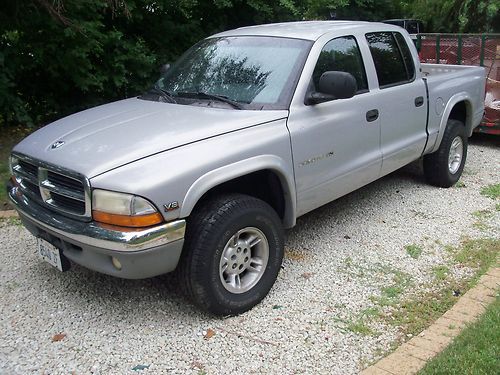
[(57, 144)]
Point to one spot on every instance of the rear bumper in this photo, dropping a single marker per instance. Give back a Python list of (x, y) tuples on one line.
[(142, 253)]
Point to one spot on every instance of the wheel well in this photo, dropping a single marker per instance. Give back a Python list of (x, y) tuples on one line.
[(264, 185), (459, 112)]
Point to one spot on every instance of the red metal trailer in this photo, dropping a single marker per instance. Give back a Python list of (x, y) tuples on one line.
[(469, 49)]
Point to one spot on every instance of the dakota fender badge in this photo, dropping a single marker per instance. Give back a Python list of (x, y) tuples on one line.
[(316, 158), (57, 144)]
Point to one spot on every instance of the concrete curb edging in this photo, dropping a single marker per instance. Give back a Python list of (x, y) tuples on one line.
[(8, 213), (412, 356)]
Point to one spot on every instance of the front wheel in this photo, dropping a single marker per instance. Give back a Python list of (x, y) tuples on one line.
[(232, 255), (444, 167)]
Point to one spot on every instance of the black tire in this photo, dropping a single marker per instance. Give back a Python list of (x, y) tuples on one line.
[(209, 230), (436, 165)]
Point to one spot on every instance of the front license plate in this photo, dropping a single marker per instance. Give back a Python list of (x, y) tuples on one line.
[(49, 253)]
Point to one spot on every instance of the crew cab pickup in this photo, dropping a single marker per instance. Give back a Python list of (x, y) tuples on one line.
[(248, 130)]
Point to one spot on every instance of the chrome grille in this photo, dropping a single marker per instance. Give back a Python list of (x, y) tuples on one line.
[(62, 191)]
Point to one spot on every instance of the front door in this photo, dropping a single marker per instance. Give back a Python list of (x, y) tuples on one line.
[(336, 144)]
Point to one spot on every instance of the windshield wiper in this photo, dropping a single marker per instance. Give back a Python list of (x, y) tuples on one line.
[(163, 93), (204, 95)]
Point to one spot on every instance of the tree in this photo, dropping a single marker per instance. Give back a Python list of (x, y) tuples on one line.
[(59, 58), (452, 16)]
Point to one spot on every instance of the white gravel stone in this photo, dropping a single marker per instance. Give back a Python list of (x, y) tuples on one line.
[(338, 257)]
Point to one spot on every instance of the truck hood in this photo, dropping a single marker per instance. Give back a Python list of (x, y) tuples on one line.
[(109, 136)]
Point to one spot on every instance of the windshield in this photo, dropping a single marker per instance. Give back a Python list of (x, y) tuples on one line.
[(254, 72)]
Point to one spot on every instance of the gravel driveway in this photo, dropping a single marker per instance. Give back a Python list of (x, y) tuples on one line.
[(337, 259)]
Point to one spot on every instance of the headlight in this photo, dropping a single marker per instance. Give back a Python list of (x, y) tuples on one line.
[(125, 210), (13, 161)]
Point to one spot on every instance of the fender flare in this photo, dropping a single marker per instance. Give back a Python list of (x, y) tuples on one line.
[(241, 168), (457, 98)]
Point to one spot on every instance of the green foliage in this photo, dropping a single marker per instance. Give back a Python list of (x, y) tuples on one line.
[(480, 253), (61, 56), (413, 250), (452, 16), (56, 59), (360, 327), (440, 272), (416, 313), (491, 191)]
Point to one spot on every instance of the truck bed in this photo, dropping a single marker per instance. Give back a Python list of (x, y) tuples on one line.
[(451, 84)]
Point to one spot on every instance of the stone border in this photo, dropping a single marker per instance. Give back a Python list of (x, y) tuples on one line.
[(412, 356), (8, 213)]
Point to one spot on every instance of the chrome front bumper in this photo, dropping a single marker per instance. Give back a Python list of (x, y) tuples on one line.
[(143, 252)]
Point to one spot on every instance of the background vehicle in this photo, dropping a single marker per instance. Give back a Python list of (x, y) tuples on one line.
[(413, 27), (248, 130)]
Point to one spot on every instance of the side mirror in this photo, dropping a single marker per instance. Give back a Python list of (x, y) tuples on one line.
[(333, 85), (164, 69)]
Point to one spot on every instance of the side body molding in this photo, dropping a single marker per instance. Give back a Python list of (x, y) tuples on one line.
[(457, 98), (229, 172)]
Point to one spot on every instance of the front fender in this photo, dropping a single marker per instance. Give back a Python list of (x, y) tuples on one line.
[(241, 168)]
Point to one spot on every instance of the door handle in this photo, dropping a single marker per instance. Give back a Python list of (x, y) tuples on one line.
[(419, 101), (372, 115)]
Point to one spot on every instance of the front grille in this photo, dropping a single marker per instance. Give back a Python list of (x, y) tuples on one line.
[(66, 182), (49, 186), (29, 169), (68, 203), (32, 189)]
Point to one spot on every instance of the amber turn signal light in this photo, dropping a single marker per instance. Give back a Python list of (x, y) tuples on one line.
[(127, 221)]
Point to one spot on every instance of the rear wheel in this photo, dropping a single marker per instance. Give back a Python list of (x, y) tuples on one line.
[(232, 254), (444, 167)]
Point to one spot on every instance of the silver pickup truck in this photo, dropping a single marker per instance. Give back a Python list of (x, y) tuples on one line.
[(248, 130)]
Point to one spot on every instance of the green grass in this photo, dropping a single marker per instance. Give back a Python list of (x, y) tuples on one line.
[(491, 191), (10, 221), (460, 184), (475, 351), (479, 254), (371, 312), (482, 216), (360, 327), (415, 314), (390, 294), (413, 250), (440, 272)]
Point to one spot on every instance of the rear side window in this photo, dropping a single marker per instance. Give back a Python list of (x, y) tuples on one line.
[(392, 58), (343, 55)]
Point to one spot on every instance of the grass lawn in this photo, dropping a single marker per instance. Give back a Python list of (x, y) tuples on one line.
[(9, 137), (475, 351)]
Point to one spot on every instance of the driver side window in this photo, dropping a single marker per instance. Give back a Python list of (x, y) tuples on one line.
[(343, 55)]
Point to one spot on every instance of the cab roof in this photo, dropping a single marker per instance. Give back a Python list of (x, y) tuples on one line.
[(309, 30)]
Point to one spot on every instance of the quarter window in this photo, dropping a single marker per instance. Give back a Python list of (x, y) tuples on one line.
[(405, 52), (392, 58), (341, 54)]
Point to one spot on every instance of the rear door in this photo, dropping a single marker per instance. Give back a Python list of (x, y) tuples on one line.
[(402, 100)]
